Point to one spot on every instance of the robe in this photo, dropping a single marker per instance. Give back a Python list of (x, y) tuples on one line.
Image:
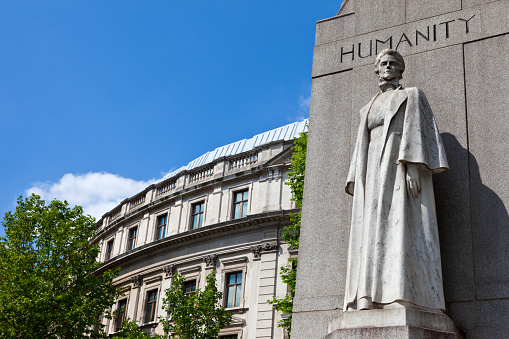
[(394, 254)]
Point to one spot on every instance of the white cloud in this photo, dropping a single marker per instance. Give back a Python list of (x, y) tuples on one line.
[(96, 192), (303, 110)]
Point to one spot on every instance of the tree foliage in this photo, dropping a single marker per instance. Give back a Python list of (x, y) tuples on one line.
[(292, 231), (194, 316), (48, 288), (131, 330)]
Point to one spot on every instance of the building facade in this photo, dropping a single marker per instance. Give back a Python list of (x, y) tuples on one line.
[(223, 212)]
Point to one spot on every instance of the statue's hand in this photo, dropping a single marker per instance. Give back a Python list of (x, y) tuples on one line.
[(413, 183)]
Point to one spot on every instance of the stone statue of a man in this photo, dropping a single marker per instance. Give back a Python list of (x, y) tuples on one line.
[(394, 253)]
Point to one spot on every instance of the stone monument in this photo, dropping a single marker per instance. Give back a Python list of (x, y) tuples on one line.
[(456, 52), (394, 252)]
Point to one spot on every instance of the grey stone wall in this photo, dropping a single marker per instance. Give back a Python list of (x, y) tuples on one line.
[(457, 52)]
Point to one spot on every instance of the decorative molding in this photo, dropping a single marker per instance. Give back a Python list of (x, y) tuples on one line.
[(136, 281), (169, 270), (210, 260), (233, 227), (236, 260), (188, 270), (258, 249)]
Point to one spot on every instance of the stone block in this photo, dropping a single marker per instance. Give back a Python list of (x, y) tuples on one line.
[(403, 332), (473, 3), (496, 18), (372, 15), (313, 325), (488, 139), (417, 10), (393, 323), (325, 225), (483, 319), (264, 324), (452, 188), (335, 28)]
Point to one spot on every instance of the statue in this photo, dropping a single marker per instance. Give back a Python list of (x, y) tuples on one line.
[(394, 252)]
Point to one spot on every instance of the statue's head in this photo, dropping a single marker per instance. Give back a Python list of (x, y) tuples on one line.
[(389, 64)]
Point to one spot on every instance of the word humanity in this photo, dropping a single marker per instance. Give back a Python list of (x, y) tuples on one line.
[(430, 33)]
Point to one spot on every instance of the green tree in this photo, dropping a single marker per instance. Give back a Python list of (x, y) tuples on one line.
[(292, 231), (131, 330), (48, 288), (194, 316)]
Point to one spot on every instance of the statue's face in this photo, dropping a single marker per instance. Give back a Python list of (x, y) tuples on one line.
[(388, 68)]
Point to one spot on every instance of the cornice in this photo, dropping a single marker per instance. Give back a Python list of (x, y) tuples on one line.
[(190, 188), (204, 234)]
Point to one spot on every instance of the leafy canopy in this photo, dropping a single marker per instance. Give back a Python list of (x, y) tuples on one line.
[(48, 288), (194, 316), (292, 231), (131, 330)]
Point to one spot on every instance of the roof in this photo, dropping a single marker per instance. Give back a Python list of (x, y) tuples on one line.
[(287, 132)]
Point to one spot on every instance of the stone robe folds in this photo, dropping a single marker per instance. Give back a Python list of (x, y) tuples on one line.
[(394, 255)]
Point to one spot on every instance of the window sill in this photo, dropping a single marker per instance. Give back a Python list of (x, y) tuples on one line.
[(237, 310)]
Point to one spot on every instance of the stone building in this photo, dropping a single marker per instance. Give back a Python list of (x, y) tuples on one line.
[(224, 211)]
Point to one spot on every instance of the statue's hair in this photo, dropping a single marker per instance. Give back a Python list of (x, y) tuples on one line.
[(396, 55)]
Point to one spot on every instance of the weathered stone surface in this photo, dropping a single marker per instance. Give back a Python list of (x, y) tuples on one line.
[(334, 28), (411, 38), (417, 10), (325, 226), (312, 325), (371, 15), (482, 319), (452, 188), (472, 3), (488, 139), (404, 332)]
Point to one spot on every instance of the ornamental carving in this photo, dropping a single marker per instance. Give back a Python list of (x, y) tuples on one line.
[(210, 260), (136, 281), (258, 249), (169, 270)]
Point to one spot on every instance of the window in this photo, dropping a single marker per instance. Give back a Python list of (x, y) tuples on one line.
[(189, 287), (229, 337), (131, 242), (109, 249), (197, 215), (150, 307), (121, 313), (97, 325), (161, 226), (233, 289), (240, 204)]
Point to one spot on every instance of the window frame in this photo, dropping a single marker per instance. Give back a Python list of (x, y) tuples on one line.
[(235, 203), (131, 241), (150, 306), (109, 250), (191, 273), (234, 265), (192, 214), (235, 290), (124, 313), (195, 286), (158, 235), (150, 284)]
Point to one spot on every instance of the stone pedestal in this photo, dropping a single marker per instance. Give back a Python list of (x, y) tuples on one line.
[(401, 323)]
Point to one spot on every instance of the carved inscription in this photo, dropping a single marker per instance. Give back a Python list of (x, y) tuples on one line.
[(430, 33)]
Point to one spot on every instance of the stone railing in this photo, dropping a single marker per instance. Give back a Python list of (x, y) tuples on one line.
[(115, 214), (166, 187), (243, 161), (137, 200), (201, 174)]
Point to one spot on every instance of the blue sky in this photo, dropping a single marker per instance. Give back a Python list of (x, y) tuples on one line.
[(100, 98)]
